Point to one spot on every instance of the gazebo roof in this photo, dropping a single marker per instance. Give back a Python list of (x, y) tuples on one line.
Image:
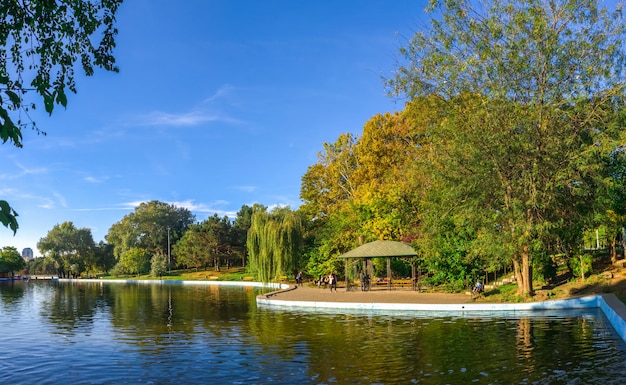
[(380, 249)]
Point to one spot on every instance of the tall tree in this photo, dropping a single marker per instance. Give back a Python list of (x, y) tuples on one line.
[(530, 88), (206, 243), (368, 188), (241, 225), (41, 43), (274, 242), (149, 227), (70, 247), (11, 260)]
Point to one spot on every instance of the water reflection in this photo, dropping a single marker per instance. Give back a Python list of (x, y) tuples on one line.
[(136, 333)]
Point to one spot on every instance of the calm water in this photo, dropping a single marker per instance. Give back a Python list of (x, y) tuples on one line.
[(93, 333)]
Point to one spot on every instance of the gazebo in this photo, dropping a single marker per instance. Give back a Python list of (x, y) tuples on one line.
[(380, 249)]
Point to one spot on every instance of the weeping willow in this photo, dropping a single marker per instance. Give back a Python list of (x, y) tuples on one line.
[(274, 243)]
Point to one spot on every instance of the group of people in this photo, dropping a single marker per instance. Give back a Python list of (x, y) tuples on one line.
[(330, 279), (326, 280)]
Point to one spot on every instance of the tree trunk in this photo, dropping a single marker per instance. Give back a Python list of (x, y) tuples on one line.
[(523, 273), (582, 267), (527, 272), (613, 250), (517, 271)]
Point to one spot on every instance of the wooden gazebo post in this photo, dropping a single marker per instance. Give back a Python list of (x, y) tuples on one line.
[(346, 273), (413, 278), (388, 273)]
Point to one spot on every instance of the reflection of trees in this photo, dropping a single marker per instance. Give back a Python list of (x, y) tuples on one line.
[(380, 348), (223, 324), (73, 306), (11, 291)]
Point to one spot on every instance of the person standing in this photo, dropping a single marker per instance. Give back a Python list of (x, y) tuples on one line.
[(362, 280), (332, 280)]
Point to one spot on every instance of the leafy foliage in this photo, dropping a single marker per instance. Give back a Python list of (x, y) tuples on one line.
[(207, 243), (530, 90), (149, 227), (72, 249), (10, 260), (274, 242), (41, 43)]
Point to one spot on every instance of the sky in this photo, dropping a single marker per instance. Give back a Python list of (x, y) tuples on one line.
[(218, 104)]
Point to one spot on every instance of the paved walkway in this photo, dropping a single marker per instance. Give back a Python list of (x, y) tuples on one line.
[(378, 295)]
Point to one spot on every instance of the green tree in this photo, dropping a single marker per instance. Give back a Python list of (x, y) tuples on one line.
[(41, 43), (190, 251), (241, 225), (104, 260), (274, 242), (530, 88), (72, 248), (158, 265), (206, 243), (11, 260), (148, 228), (135, 260), (43, 265)]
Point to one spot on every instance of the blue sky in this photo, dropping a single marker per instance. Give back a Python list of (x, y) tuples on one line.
[(217, 104)]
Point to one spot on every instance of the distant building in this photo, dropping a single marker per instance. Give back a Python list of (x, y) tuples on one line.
[(27, 253)]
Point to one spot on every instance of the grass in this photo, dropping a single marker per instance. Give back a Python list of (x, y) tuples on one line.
[(232, 274), (605, 278)]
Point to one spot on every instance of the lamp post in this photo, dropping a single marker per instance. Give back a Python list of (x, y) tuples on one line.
[(169, 256)]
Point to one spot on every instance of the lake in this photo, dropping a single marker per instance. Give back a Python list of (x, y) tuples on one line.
[(110, 333)]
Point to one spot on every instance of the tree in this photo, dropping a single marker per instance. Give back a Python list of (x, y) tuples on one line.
[(158, 265), (40, 45), (104, 260), (70, 247), (10, 260), (274, 242), (134, 261), (367, 188), (240, 228), (207, 243), (148, 228), (190, 251), (530, 89)]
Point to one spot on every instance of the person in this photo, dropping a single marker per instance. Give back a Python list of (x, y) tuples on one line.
[(365, 281), (332, 280), (478, 288), (299, 278), (362, 279)]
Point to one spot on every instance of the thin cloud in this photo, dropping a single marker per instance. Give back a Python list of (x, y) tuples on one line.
[(24, 171), (60, 198), (248, 189), (93, 179), (224, 91), (194, 118), (187, 119), (12, 194)]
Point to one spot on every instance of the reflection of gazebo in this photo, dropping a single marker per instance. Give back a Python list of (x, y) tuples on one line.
[(381, 249)]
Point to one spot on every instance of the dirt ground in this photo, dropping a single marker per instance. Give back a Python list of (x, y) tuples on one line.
[(308, 292)]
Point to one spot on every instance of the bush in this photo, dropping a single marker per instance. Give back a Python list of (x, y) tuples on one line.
[(580, 265)]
